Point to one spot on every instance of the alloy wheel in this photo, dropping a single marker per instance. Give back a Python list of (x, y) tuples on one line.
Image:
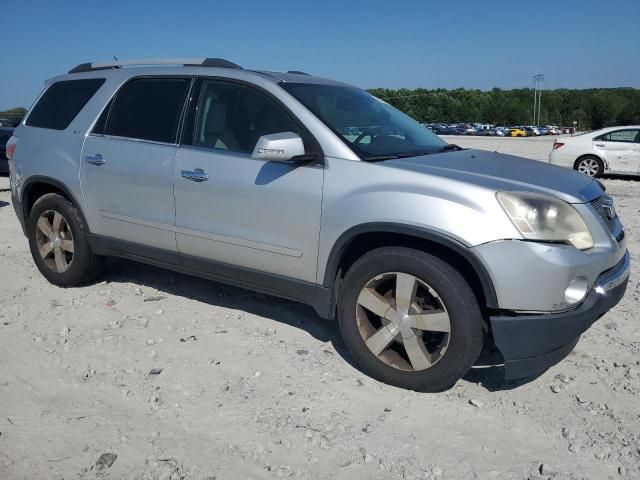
[(589, 166), (54, 241), (403, 321)]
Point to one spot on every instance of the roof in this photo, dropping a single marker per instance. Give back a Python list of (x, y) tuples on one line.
[(298, 77), (617, 127), (193, 66)]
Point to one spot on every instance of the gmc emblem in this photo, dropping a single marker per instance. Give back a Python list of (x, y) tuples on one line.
[(608, 208)]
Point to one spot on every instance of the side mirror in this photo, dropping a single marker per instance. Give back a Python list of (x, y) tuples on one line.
[(279, 147)]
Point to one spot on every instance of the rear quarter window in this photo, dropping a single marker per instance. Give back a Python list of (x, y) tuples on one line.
[(61, 102)]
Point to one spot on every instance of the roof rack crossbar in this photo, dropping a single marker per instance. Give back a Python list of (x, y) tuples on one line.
[(191, 62), (297, 72)]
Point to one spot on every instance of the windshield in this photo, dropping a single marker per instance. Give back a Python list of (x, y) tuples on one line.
[(372, 128)]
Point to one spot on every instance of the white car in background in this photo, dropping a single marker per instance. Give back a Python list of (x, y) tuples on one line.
[(610, 150)]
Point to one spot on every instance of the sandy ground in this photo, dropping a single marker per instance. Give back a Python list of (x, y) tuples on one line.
[(257, 387)]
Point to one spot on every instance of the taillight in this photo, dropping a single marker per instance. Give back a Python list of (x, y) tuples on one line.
[(11, 147), (557, 145)]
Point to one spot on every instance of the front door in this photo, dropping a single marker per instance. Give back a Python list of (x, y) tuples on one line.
[(127, 163), (234, 209), (619, 149)]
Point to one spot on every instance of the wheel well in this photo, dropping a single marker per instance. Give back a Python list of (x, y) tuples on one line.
[(588, 155), (365, 242), (35, 190)]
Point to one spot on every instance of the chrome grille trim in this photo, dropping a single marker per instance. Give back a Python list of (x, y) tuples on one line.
[(599, 205)]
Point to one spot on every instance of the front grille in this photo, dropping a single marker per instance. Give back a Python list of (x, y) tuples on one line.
[(601, 205)]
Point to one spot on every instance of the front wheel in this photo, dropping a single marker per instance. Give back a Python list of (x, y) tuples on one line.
[(409, 319)]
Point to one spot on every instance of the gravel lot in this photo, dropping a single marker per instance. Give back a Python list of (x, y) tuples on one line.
[(257, 387)]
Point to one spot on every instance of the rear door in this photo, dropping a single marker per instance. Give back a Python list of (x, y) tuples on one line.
[(257, 214), (619, 148), (127, 162)]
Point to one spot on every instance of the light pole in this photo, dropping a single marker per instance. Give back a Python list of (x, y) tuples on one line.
[(540, 99), (537, 96), (535, 99)]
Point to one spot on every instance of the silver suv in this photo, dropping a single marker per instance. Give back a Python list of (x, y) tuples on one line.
[(314, 190)]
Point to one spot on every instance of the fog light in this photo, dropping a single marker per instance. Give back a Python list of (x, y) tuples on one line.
[(576, 290)]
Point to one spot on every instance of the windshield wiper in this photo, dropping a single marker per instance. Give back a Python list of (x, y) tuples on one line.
[(413, 154), (450, 147), (380, 158), (446, 148)]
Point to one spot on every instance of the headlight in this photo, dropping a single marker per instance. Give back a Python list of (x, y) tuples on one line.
[(545, 218)]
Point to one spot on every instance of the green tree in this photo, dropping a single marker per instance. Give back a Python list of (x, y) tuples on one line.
[(591, 108)]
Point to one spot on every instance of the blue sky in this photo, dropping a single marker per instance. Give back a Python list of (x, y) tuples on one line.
[(448, 44)]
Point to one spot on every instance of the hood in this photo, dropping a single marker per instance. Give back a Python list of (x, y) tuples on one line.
[(498, 171)]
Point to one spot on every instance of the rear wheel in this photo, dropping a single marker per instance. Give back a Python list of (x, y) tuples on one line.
[(589, 165), (59, 243), (409, 319)]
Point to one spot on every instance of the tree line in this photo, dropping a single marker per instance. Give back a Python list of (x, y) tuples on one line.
[(14, 115), (592, 108)]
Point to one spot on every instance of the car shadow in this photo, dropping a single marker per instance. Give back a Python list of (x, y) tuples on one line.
[(217, 294), (2, 203), (492, 378), (273, 170), (280, 310), (617, 176)]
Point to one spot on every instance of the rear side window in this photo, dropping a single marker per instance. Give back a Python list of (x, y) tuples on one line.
[(625, 136), (148, 109), (62, 101)]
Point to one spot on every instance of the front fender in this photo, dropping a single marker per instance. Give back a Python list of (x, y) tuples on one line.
[(359, 196), (438, 238)]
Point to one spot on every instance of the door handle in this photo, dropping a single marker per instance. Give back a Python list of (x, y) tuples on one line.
[(600, 145), (94, 159), (195, 175)]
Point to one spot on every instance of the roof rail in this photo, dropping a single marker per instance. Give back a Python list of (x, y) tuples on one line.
[(297, 72), (191, 62)]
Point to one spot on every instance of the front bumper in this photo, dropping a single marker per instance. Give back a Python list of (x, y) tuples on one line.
[(534, 276), (530, 344)]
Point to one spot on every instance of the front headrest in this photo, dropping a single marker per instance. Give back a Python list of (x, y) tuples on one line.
[(271, 120), (216, 117)]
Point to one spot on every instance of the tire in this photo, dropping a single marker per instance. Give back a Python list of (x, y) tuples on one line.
[(62, 263), (589, 165), (450, 355)]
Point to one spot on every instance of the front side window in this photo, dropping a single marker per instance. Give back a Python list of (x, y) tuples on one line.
[(62, 101), (372, 128), (625, 136), (147, 109), (233, 117)]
